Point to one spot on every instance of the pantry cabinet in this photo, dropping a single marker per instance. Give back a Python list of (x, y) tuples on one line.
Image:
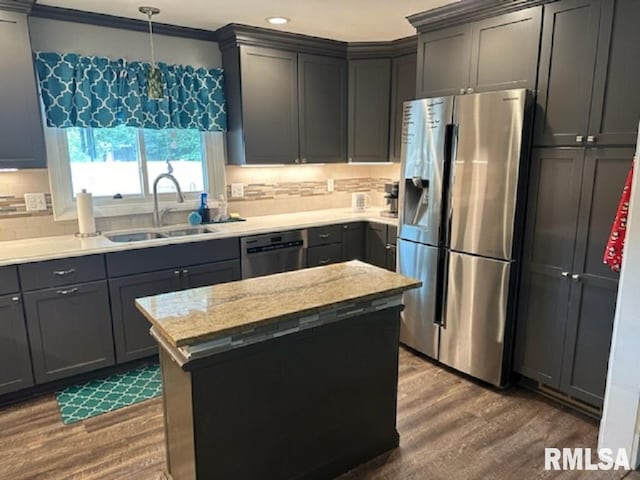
[(567, 294)]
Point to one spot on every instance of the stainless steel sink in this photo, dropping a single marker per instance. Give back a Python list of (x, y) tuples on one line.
[(134, 236), (181, 232)]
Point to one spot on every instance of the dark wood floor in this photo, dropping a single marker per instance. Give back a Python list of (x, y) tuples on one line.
[(450, 429)]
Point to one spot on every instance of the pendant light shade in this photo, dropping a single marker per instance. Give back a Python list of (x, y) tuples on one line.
[(155, 84)]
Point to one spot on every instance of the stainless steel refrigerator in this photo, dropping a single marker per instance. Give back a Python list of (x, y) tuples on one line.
[(460, 194)]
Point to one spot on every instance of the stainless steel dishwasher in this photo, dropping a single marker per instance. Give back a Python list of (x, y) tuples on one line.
[(273, 253)]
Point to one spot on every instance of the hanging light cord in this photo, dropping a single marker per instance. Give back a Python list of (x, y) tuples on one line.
[(153, 52)]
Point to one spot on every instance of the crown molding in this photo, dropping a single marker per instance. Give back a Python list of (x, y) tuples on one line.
[(234, 35), (20, 6), (467, 11), (391, 49), (103, 20)]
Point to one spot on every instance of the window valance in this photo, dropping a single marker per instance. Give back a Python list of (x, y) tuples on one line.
[(98, 92)]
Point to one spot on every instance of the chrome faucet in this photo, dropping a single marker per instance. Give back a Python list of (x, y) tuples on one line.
[(157, 216)]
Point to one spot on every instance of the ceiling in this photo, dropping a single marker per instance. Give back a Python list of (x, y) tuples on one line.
[(347, 20)]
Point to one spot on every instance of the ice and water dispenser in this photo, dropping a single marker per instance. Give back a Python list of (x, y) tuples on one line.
[(424, 151)]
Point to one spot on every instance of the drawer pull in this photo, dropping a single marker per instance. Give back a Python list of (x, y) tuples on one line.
[(15, 299), (62, 273), (68, 292), (324, 235), (185, 272), (324, 261)]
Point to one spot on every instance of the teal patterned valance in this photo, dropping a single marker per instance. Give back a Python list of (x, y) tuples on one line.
[(86, 91)]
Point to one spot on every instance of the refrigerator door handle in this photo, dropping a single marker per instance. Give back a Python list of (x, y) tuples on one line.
[(443, 275), (453, 155)]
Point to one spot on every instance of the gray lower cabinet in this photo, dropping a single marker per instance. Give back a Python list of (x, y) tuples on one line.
[(403, 88), (353, 241), (493, 54), (369, 92), (567, 295), (69, 330), (376, 244), (15, 359), (324, 255), (587, 94), (322, 100), (21, 135), (130, 327)]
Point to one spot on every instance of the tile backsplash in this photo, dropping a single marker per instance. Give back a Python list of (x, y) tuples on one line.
[(267, 190)]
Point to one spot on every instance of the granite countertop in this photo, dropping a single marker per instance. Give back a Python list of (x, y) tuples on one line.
[(198, 315), (63, 246)]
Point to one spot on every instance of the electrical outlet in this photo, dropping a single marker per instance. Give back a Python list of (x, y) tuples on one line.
[(35, 202), (237, 190), (330, 185)]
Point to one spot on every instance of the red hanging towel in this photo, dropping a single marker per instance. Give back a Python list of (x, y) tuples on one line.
[(615, 246)]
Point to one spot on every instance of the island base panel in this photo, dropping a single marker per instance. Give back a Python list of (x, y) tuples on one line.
[(308, 405)]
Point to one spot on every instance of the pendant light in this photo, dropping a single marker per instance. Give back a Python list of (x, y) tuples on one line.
[(155, 87)]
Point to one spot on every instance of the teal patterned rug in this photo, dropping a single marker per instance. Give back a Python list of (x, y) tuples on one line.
[(96, 397)]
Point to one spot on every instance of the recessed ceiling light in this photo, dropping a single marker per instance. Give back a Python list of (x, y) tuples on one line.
[(277, 20)]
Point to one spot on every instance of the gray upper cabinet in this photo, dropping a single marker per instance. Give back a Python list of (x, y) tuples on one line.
[(567, 295), (443, 61), (504, 52), (322, 98), (21, 135), (269, 104), (15, 373), (403, 88), (615, 102), (567, 62), (587, 91), (69, 330), (369, 99), (493, 54)]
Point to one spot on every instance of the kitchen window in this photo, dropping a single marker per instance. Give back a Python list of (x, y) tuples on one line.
[(119, 165)]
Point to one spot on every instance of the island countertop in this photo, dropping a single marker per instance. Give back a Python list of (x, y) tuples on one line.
[(194, 316)]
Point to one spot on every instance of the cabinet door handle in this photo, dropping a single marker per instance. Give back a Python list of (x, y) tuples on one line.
[(575, 277), (324, 235), (185, 272), (297, 160), (176, 273), (15, 299), (579, 139), (324, 261), (565, 274), (68, 292), (62, 273), (304, 160), (470, 90), (591, 139), (388, 246), (462, 90)]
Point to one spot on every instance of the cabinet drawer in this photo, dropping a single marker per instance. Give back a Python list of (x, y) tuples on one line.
[(324, 255), (56, 273), (8, 280), (132, 262), (325, 235)]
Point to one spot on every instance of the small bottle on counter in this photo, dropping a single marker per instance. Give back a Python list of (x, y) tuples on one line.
[(203, 210)]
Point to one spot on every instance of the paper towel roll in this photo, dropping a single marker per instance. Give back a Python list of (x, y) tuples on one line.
[(86, 220)]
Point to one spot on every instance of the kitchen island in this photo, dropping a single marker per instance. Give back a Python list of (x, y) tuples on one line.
[(288, 376)]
